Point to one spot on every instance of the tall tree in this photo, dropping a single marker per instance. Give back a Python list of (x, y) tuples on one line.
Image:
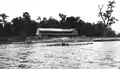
[(106, 16)]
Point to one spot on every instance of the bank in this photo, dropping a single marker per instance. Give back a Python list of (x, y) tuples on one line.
[(10, 40)]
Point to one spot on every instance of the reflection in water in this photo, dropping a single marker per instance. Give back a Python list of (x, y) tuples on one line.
[(100, 55)]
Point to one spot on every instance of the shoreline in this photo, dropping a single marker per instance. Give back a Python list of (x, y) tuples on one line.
[(72, 39)]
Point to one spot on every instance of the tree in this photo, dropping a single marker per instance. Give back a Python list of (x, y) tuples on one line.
[(32, 27), (18, 25), (77, 18), (110, 33), (63, 17), (39, 18), (26, 16), (51, 23), (72, 21), (4, 17), (118, 35), (98, 29), (107, 18), (6, 26)]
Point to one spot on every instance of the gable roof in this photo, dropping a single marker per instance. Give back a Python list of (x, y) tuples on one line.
[(54, 29)]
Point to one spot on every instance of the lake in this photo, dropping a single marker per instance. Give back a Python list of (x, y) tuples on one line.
[(99, 55)]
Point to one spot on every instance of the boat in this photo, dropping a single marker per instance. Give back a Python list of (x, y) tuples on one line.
[(65, 43), (59, 44)]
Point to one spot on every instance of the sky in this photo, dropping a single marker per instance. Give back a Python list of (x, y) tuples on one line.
[(86, 9)]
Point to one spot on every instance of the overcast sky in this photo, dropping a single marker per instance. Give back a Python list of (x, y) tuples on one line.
[(86, 9)]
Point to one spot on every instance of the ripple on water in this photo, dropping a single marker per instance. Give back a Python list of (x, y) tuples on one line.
[(35, 56)]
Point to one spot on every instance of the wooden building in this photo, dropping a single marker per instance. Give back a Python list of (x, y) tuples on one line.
[(55, 32)]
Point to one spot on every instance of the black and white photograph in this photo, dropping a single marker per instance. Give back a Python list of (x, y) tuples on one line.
[(59, 34)]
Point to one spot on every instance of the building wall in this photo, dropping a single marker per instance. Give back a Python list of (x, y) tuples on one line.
[(56, 33)]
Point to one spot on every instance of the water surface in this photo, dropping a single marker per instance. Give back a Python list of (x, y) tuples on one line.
[(99, 55)]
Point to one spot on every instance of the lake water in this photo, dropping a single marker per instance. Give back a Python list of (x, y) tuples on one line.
[(99, 55)]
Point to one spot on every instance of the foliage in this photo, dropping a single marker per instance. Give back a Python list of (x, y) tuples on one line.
[(4, 17), (25, 26), (118, 35), (106, 16)]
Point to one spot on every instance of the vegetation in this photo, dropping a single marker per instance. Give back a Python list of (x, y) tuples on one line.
[(107, 18), (24, 26), (118, 35)]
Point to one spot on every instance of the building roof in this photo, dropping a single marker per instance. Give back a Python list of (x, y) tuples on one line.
[(55, 29)]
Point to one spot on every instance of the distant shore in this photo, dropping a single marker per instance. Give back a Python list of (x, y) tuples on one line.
[(12, 40)]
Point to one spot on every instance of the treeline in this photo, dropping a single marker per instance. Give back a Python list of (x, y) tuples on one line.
[(25, 26)]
